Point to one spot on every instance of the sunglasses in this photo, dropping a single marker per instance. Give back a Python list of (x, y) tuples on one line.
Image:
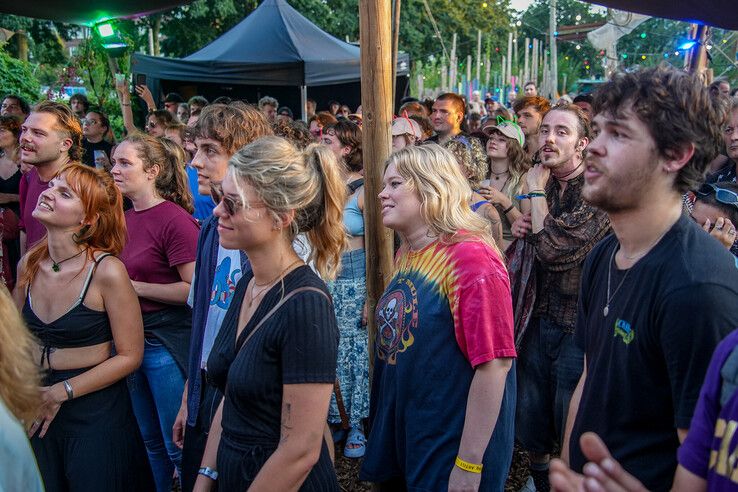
[(231, 205), (722, 195)]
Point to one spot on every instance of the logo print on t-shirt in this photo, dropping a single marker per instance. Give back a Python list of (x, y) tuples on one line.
[(397, 317), (624, 331), (223, 284)]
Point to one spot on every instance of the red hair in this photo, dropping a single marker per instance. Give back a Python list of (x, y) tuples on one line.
[(104, 227)]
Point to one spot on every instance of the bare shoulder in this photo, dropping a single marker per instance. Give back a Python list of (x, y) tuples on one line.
[(110, 270)]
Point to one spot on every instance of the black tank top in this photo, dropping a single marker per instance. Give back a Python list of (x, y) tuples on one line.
[(80, 326)]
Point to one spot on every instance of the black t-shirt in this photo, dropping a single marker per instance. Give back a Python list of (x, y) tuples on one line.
[(88, 156), (297, 345), (647, 358)]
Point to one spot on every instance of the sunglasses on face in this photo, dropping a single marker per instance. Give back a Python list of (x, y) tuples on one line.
[(722, 195), (231, 205)]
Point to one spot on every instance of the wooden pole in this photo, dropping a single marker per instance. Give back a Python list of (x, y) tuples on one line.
[(479, 57), (553, 66), (487, 68), (698, 58), (467, 89), (375, 39), (503, 80), (534, 69), (509, 57), (453, 67), (526, 69), (395, 45), (22, 45)]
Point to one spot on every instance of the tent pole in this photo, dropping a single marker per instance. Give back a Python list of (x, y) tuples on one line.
[(304, 102), (376, 102)]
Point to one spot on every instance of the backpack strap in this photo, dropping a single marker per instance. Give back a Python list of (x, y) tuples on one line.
[(355, 185), (279, 305)]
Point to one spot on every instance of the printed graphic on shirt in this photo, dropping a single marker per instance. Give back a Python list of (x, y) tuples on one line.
[(397, 311), (724, 460), (224, 284), (397, 316), (624, 331)]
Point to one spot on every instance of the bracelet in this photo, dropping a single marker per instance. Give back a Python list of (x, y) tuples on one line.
[(206, 471), (125, 104), (469, 467), (512, 206), (68, 389), (532, 194)]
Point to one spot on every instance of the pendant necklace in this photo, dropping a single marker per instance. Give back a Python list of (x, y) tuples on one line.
[(56, 265), (606, 310), (498, 175), (266, 286)]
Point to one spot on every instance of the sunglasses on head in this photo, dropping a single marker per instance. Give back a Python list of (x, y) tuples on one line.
[(231, 205), (722, 195)]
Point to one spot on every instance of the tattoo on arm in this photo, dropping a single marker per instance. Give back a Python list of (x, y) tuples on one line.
[(286, 424)]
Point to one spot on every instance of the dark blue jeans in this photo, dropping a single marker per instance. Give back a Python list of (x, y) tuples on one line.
[(156, 393), (549, 367)]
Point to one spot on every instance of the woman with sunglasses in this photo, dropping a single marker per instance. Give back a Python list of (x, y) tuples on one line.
[(350, 404), (319, 121), (715, 207), (78, 302), (443, 397), (160, 258), (275, 354), (508, 165)]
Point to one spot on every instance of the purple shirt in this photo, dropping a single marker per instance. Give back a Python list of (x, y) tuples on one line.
[(159, 239), (712, 439), (31, 187)]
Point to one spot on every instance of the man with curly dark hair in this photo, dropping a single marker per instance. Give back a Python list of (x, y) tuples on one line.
[(659, 294)]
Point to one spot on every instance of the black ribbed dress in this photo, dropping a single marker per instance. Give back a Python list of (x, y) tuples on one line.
[(297, 345)]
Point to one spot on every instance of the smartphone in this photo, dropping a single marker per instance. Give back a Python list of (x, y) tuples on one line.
[(140, 79)]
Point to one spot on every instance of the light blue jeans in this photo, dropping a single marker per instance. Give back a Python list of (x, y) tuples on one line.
[(156, 392)]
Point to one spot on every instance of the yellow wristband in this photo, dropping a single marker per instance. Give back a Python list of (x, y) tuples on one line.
[(466, 466)]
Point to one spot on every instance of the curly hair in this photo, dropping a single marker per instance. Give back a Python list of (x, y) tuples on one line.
[(470, 155), (676, 108), (232, 125), (294, 131), (349, 134)]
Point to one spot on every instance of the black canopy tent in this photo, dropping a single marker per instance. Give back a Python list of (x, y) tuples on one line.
[(274, 51), (716, 13)]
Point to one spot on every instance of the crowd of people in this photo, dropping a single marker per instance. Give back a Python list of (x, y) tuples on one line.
[(189, 303)]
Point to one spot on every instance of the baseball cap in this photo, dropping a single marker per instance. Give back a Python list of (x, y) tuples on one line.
[(285, 111), (404, 125), (508, 128)]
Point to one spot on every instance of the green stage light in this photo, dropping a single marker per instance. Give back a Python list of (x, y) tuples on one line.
[(105, 30)]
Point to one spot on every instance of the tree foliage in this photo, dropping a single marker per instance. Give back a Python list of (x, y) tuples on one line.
[(16, 77)]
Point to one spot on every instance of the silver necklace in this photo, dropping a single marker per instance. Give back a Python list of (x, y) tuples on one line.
[(606, 310)]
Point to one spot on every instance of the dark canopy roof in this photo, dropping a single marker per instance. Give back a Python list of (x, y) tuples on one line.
[(86, 12), (718, 13), (275, 44)]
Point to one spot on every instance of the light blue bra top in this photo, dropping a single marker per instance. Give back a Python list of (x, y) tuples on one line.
[(353, 219)]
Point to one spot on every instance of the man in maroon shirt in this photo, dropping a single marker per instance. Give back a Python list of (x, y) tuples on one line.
[(50, 137)]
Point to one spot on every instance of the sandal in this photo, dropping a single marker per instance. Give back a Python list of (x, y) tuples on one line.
[(355, 444)]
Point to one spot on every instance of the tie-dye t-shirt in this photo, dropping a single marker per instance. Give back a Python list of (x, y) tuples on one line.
[(447, 310)]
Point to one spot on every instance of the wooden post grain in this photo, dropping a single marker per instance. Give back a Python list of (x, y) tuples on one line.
[(376, 93)]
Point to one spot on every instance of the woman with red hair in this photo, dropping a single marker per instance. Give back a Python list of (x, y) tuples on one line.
[(78, 301)]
